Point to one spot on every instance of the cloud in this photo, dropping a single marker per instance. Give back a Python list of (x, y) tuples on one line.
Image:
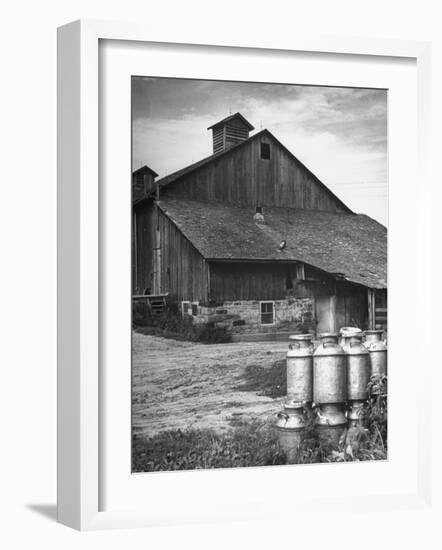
[(339, 133)]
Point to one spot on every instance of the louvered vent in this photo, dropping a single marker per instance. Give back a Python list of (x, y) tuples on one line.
[(229, 132)]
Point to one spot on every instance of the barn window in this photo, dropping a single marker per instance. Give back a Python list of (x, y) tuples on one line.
[(267, 313), (265, 151)]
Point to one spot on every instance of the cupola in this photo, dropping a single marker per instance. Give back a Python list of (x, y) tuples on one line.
[(229, 132), (143, 183)]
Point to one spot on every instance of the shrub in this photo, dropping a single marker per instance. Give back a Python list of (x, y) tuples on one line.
[(141, 314), (171, 324)]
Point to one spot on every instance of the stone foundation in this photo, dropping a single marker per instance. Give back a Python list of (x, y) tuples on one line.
[(244, 316)]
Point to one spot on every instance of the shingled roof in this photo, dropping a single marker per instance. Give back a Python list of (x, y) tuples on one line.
[(351, 246)]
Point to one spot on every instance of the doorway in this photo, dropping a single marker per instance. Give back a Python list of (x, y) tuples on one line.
[(325, 314)]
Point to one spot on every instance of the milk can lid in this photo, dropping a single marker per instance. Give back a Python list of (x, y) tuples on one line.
[(328, 335), (300, 337), (350, 330), (293, 404)]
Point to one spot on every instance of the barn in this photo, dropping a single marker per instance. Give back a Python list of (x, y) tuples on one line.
[(250, 239)]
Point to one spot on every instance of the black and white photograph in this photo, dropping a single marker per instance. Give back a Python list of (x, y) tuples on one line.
[(259, 274)]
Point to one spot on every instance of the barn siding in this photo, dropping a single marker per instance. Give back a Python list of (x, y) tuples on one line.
[(242, 177), (183, 269), (143, 240), (257, 281), (249, 281)]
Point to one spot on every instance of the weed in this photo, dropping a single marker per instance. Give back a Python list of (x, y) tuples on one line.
[(249, 444)]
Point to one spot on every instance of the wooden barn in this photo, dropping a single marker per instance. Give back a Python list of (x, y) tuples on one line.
[(251, 239)]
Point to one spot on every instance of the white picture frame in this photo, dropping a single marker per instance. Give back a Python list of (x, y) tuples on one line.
[(79, 275)]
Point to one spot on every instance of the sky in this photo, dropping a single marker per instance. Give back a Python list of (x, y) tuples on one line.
[(340, 134)]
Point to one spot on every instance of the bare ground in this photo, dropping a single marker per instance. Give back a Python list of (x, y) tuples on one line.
[(187, 385)]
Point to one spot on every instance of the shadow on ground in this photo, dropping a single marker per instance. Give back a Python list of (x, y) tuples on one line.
[(49, 511)]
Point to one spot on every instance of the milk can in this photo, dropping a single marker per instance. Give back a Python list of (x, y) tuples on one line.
[(346, 333), (330, 388), (358, 368), (378, 352), (329, 371), (300, 368), (356, 413), (358, 378), (331, 422), (291, 428)]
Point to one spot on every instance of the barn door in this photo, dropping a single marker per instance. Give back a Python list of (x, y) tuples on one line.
[(325, 314)]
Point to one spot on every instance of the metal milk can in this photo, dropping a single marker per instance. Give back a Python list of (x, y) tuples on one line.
[(346, 333), (331, 422), (329, 371), (358, 368), (378, 352), (356, 413), (300, 368), (291, 424)]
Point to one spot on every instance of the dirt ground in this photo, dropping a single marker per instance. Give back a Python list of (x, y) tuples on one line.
[(187, 385)]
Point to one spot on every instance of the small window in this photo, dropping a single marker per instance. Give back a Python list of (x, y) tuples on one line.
[(265, 151), (258, 210), (267, 313), (194, 309)]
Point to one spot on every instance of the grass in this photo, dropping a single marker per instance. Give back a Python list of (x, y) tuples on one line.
[(268, 382), (250, 444), (255, 443)]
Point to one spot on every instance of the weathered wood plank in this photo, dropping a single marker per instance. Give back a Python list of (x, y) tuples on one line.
[(243, 177)]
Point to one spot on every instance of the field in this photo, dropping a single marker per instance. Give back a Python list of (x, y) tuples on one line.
[(214, 406), (182, 385)]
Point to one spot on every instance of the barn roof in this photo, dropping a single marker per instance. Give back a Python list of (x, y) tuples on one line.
[(237, 116), (350, 246), (171, 178)]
